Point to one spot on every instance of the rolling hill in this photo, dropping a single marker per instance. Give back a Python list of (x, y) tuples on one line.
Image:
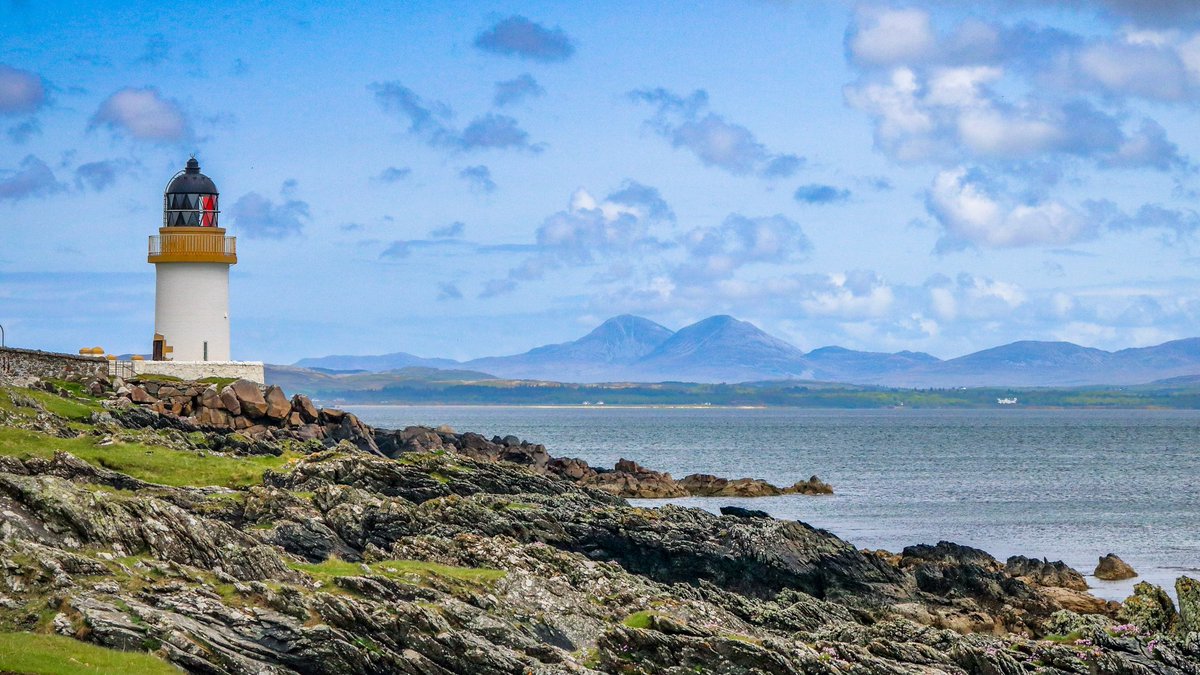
[(724, 349)]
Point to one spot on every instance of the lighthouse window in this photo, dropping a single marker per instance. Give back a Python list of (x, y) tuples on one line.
[(206, 350), (190, 210)]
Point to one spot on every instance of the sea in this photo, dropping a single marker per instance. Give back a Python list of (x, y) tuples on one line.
[(1068, 485)]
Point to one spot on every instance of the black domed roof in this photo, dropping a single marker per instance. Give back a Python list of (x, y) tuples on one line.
[(190, 181)]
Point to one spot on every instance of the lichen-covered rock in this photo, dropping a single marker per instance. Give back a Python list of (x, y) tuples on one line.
[(1149, 608), (1187, 590)]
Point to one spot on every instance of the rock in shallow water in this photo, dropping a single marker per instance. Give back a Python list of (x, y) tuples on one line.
[(1112, 568)]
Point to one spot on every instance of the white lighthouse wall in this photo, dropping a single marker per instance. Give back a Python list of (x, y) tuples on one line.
[(191, 307)]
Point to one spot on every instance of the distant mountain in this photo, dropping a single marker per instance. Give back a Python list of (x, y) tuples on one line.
[(1045, 364), (722, 349), (321, 383), (382, 362), (1178, 358), (599, 355), (838, 364), (1027, 364)]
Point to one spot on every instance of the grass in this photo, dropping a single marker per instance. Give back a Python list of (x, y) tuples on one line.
[(75, 410), (154, 377), (219, 381), (150, 463), (58, 655), (400, 570), (639, 619), (1068, 639)]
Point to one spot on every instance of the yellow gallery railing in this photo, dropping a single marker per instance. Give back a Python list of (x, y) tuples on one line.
[(192, 244)]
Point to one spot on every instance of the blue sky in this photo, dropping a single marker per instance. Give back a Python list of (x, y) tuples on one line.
[(470, 179)]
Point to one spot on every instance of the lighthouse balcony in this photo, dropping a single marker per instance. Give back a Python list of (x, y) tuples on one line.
[(192, 244)]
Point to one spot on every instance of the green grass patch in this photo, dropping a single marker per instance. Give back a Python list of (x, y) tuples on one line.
[(639, 619), (219, 381), (400, 570), (1068, 639), (151, 463), (58, 655), (76, 410)]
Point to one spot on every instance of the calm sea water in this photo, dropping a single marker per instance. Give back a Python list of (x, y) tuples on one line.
[(1065, 485)]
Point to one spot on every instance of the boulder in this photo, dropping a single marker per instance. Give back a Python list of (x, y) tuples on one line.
[(812, 486), (1187, 590), (310, 432), (705, 485), (1149, 608), (304, 406), (567, 467), (211, 398), (138, 394), (250, 397), (211, 417), (739, 512), (278, 406), (230, 401), (1112, 568), (332, 415)]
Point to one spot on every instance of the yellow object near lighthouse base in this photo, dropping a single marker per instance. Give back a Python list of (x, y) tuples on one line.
[(192, 244)]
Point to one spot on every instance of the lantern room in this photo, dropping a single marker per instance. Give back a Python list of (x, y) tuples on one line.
[(190, 232), (190, 199)]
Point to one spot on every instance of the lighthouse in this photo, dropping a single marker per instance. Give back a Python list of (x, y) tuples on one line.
[(191, 257)]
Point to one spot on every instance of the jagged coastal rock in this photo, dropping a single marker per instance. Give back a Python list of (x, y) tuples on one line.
[(430, 552), (265, 413), (1112, 568)]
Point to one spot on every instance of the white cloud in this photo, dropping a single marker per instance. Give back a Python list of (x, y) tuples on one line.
[(143, 114), (20, 91), (854, 294), (716, 252), (986, 92), (971, 215), (885, 36)]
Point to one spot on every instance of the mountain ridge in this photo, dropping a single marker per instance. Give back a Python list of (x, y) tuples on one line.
[(722, 348)]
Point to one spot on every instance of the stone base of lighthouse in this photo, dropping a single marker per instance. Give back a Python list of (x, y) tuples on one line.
[(198, 370)]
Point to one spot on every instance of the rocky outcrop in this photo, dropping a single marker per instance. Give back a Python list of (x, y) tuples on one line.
[(1149, 608), (1187, 590), (265, 413), (626, 479), (1045, 573), (438, 562), (242, 407), (1112, 568)]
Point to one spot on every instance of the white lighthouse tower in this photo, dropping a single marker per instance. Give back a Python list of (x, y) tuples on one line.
[(191, 257)]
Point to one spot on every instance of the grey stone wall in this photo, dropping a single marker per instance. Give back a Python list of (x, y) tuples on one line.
[(21, 363)]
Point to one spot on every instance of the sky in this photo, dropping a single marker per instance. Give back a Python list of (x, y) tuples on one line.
[(464, 179)]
